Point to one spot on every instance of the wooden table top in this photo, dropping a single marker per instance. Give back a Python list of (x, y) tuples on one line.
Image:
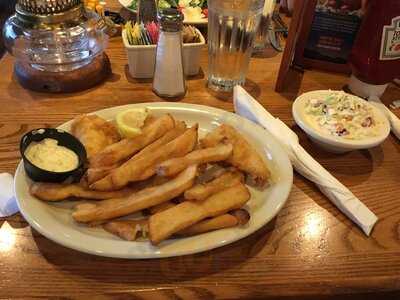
[(310, 250)]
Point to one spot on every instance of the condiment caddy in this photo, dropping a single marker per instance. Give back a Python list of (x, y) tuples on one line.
[(142, 58)]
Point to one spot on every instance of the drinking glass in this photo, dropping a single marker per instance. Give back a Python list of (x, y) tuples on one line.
[(232, 25)]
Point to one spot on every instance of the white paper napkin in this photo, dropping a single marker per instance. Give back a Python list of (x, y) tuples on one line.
[(246, 106), (8, 204)]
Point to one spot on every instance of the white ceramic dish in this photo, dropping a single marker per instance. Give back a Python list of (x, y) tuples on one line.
[(199, 22), (332, 143), (54, 220), (142, 58)]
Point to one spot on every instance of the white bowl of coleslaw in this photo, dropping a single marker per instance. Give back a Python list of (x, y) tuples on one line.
[(340, 122)]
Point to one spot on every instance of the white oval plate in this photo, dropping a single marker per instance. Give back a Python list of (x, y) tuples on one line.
[(54, 220), (203, 21)]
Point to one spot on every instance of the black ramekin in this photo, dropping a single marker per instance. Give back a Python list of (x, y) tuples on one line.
[(64, 139)]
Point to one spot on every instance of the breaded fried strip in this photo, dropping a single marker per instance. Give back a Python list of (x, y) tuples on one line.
[(244, 157), (95, 174), (133, 169), (164, 224), (129, 146), (130, 229), (219, 222), (127, 229), (232, 219), (94, 132), (213, 172), (241, 215), (180, 128), (213, 154), (58, 191), (145, 198), (161, 207), (202, 191)]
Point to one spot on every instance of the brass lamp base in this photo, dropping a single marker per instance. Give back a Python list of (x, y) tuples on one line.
[(64, 82)]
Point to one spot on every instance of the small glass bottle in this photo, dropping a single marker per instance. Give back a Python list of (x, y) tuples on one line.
[(261, 40), (169, 78), (146, 11)]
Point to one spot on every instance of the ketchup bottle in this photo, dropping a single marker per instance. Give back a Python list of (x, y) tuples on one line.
[(375, 57)]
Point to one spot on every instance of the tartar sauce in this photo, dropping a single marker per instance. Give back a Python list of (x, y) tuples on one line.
[(48, 155), (343, 115)]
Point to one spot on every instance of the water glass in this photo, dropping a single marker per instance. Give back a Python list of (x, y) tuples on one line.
[(232, 25)]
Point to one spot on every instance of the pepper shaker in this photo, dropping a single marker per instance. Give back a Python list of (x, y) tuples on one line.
[(169, 80)]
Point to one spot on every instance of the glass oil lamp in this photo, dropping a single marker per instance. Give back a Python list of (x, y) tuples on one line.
[(58, 46)]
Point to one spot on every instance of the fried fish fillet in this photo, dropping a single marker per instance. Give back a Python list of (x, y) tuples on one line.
[(244, 156), (202, 191), (127, 229), (96, 173), (231, 219), (161, 207), (173, 166), (127, 147), (164, 224), (59, 191), (95, 133), (148, 197), (241, 215), (144, 166), (130, 229), (179, 129), (219, 222)]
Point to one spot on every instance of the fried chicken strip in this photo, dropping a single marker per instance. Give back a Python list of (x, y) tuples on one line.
[(164, 224), (145, 198), (95, 133), (213, 154), (58, 192), (244, 156), (133, 169), (202, 191), (127, 147)]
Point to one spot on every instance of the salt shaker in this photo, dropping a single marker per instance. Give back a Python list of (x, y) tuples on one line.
[(169, 80)]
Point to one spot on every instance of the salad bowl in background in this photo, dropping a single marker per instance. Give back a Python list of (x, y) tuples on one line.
[(194, 11)]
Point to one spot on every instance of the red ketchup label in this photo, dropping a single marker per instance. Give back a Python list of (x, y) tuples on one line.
[(390, 46)]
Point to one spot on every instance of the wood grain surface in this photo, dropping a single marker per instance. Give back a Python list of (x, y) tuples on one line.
[(309, 251)]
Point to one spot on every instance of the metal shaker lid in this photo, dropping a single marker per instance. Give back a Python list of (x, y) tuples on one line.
[(170, 19), (50, 12)]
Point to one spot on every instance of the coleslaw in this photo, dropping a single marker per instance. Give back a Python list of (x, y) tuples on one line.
[(343, 115)]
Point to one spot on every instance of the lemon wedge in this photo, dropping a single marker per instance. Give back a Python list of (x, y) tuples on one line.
[(130, 122)]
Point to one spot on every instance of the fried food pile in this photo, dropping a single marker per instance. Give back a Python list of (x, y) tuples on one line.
[(182, 186)]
